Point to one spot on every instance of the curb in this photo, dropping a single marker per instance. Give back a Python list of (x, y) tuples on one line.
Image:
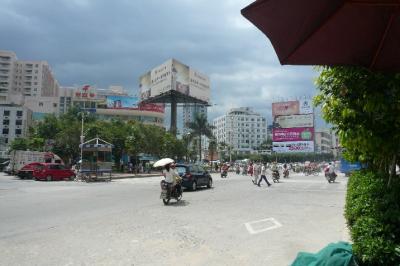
[(133, 176)]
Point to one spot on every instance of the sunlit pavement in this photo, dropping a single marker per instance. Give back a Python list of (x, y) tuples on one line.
[(124, 222)]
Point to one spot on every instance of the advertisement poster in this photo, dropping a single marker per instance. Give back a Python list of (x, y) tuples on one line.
[(161, 79), (180, 77), (285, 108), (293, 134), (306, 106), (199, 86), (293, 147), (128, 102), (145, 86), (289, 121)]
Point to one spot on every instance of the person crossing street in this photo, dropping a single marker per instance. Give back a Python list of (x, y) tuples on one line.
[(263, 176)]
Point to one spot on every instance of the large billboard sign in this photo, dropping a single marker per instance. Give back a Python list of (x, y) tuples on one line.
[(293, 127), (128, 102), (173, 75), (293, 134), (289, 121), (199, 85), (293, 146), (285, 108)]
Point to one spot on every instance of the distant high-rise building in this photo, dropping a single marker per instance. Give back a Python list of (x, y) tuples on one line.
[(189, 112), (28, 83), (7, 79), (242, 129)]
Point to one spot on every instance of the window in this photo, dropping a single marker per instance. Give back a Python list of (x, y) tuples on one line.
[(5, 131), (40, 104), (18, 131), (54, 104), (6, 122), (18, 122), (20, 113), (6, 140), (6, 113)]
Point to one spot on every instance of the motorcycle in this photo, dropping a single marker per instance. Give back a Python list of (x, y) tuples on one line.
[(286, 173), (173, 192), (224, 174), (275, 176), (331, 177)]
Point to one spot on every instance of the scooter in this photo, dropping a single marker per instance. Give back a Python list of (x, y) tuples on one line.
[(167, 194), (286, 173), (275, 176), (331, 177)]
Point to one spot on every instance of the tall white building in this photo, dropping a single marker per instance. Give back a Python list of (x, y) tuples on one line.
[(7, 63), (326, 141), (242, 129), (28, 83), (189, 112)]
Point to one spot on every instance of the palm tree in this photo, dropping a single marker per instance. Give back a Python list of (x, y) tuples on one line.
[(200, 127)]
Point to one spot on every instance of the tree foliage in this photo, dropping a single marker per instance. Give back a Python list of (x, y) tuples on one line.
[(364, 106), (131, 137), (200, 127)]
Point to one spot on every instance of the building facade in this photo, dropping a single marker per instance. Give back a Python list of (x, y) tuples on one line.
[(28, 83), (189, 112), (242, 129), (7, 61), (95, 101), (326, 141), (15, 122)]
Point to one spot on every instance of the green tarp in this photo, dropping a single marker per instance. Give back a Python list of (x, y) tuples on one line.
[(335, 254)]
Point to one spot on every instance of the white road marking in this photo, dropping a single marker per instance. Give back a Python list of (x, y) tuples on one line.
[(251, 230)]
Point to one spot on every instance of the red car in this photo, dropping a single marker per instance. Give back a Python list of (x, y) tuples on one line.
[(27, 170), (52, 171)]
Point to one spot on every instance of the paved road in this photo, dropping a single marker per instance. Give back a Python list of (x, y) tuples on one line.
[(125, 223)]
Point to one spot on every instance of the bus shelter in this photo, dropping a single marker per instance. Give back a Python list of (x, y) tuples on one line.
[(96, 161)]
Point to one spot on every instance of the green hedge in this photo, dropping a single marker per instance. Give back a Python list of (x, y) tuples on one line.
[(372, 212)]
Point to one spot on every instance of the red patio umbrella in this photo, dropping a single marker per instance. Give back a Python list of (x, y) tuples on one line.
[(331, 32)]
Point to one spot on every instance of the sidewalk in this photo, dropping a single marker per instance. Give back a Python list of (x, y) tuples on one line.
[(132, 175)]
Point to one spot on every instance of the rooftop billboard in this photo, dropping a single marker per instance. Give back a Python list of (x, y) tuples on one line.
[(173, 75)]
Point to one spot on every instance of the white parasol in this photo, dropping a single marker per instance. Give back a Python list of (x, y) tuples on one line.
[(163, 162)]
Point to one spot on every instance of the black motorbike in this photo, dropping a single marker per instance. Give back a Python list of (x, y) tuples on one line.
[(286, 173), (275, 176), (168, 192)]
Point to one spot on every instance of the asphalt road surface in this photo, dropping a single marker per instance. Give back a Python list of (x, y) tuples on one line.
[(124, 222)]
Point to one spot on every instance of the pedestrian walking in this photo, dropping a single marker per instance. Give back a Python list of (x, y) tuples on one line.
[(263, 176)]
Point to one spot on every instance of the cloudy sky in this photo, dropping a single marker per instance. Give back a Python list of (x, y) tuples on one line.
[(105, 42)]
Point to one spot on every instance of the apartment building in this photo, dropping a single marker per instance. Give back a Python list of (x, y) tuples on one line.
[(242, 129), (14, 123)]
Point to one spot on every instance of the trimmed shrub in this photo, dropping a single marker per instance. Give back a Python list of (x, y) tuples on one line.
[(372, 212)]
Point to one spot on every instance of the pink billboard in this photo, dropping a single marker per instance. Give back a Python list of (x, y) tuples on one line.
[(285, 108), (293, 134)]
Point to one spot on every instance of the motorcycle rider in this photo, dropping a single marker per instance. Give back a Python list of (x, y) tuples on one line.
[(224, 170), (274, 169), (171, 177)]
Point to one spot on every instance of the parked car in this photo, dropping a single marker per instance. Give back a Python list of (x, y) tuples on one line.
[(52, 171), (26, 172), (194, 176)]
